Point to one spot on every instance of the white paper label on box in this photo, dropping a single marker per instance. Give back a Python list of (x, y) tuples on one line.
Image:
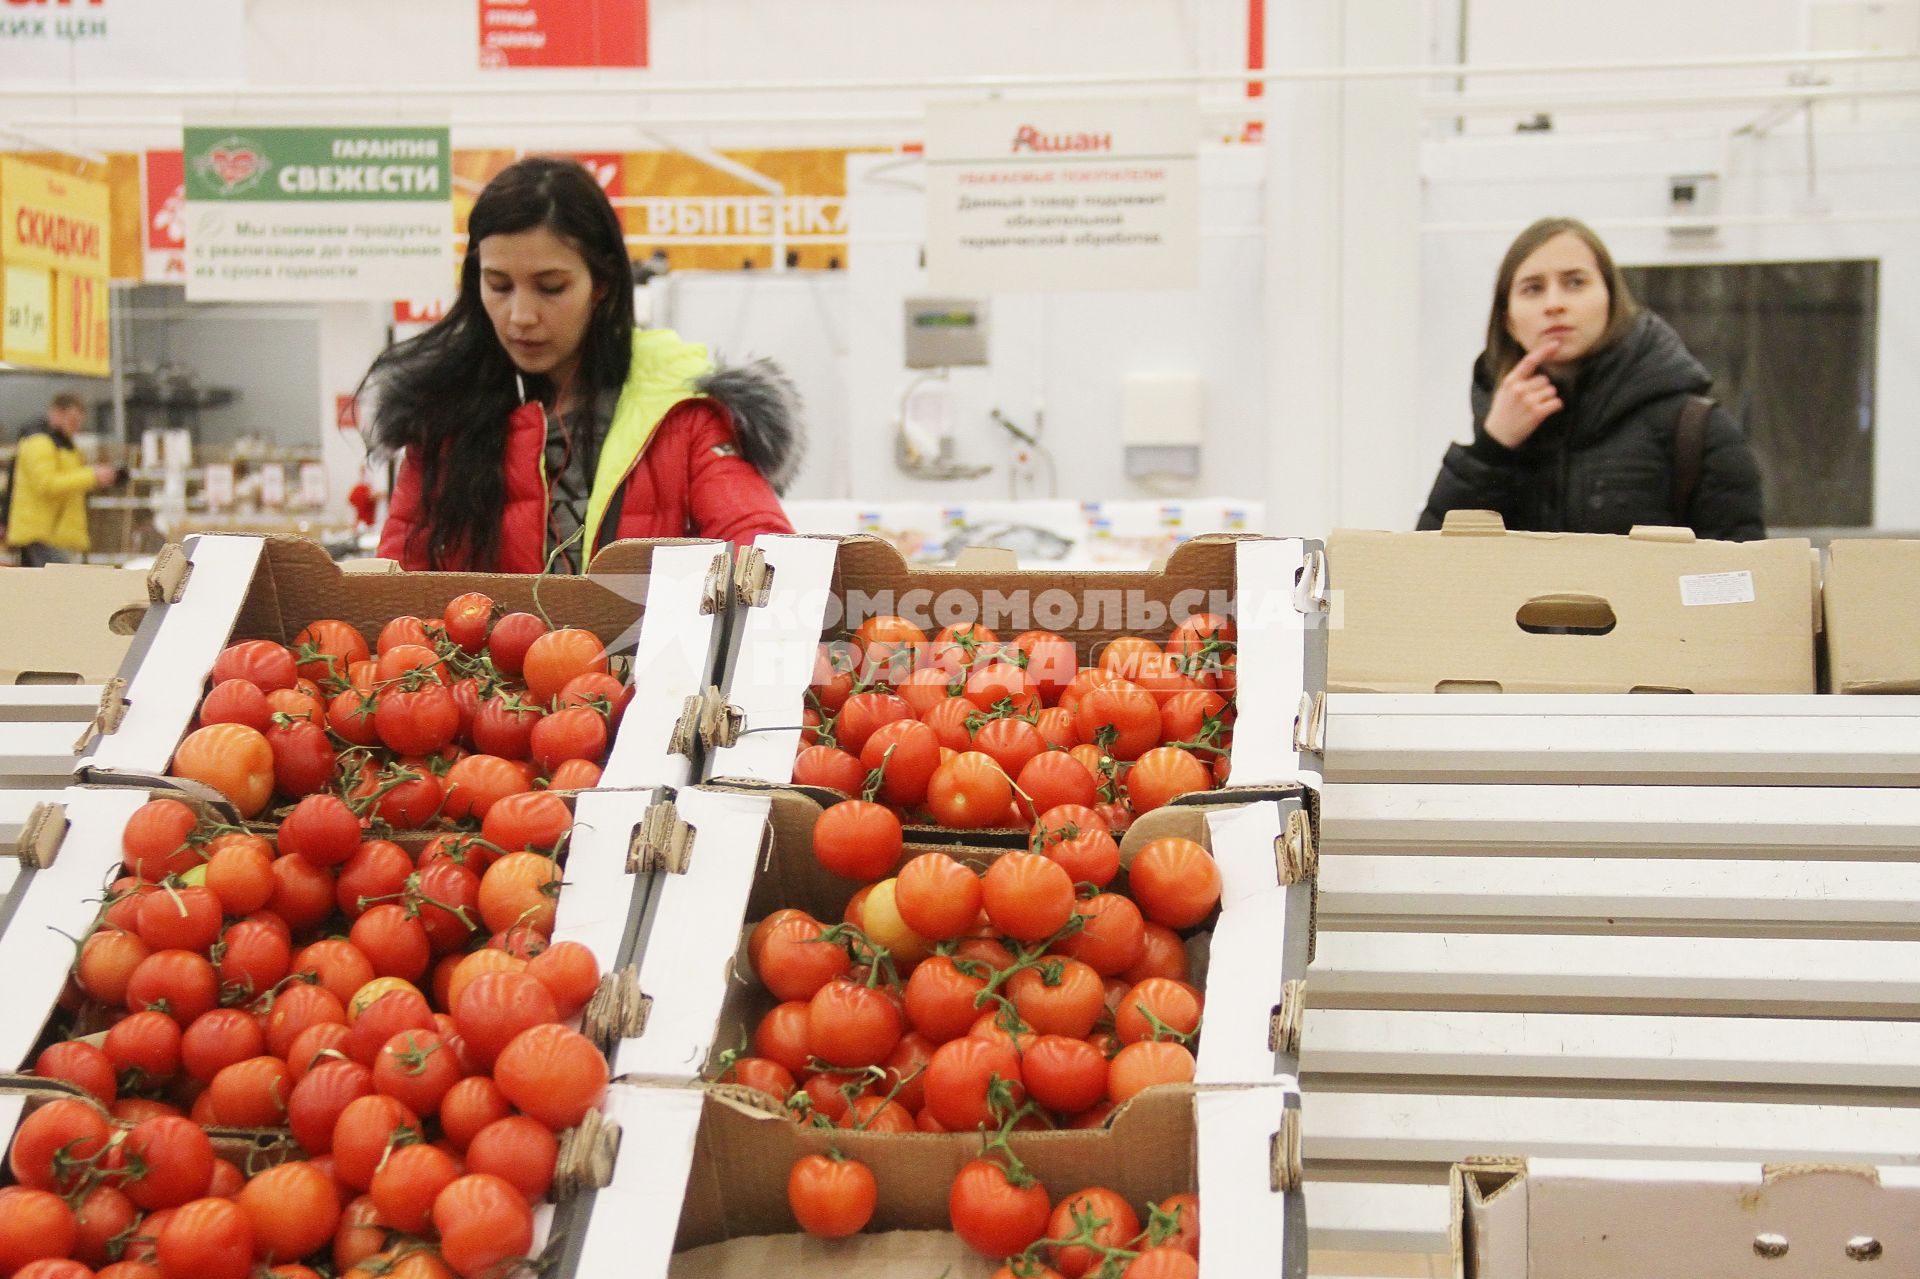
[(1716, 588)]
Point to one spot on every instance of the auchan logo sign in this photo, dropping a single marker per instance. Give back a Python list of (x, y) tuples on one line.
[(1028, 139)]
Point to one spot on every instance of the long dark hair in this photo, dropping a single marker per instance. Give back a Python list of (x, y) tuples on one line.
[(446, 394), (1502, 351)]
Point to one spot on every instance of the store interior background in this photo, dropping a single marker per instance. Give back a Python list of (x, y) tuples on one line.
[(1346, 261)]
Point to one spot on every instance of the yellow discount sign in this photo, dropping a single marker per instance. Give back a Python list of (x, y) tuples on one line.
[(55, 249)]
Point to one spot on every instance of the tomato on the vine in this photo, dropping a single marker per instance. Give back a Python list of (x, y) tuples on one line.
[(831, 1198)]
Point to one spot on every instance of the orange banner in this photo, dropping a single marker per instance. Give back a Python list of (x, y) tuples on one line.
[(701, 217)]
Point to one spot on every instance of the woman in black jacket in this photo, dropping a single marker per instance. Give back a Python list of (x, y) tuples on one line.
[(1577, 402)]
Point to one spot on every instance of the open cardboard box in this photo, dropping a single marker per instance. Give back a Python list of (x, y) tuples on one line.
[(1872, 604), (708, 1182), (73, 626), (749, 852), (1603, 1219), (1477, 609), (792, 592), (658, 600)]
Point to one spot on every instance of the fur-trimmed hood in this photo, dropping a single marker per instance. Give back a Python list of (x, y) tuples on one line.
[(765, 407)]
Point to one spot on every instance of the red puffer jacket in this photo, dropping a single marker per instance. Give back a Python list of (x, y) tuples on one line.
[(701, 470)]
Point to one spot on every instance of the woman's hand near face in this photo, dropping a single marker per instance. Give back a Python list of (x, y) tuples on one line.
[(1525, 399)]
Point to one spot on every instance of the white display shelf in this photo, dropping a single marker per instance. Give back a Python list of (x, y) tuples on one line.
[(1771, 740), (1801, 822)]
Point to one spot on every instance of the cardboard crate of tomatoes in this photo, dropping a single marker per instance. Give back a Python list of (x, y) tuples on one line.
[(317, 641), (950, 988), (994, 694), (729, 1185), (388, 1025)]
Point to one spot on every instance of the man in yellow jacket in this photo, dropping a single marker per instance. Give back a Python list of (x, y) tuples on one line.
[(47, 517)]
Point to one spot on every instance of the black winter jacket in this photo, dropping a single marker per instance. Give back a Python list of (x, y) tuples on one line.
[(1604, 463)]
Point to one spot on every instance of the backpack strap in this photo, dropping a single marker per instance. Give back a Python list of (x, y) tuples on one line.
[(1689, 452)]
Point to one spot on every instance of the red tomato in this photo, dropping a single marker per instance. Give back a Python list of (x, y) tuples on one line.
[(262, 663), (558, 657), (1012, 743), (176, 1157), (857, 839), (251, 1093), (996, 682), (993, 1214), (520, 1151), (233, 759), (571, 733), (237, 701), (416, 721), (82, 1065), (107, 962), (1065, 1075), (180, 983), (482, 1221), (1051, 662), (1163, 774), (466, 620), (365, 1129), (475, 784), (960, 1079), (831, 1197), (1061, 997), (510, 639), (531, 820), (1114, 1222), (552, 1073), (1175, 881), (1142, 1065), (891, 648), (852, 1025), (155, 841), (327, 650), (1154, 1006), (469, 1107), (520, 888), (240, 872), (1121, 714), (571, 974), (937, 896), (1028, 897), (219, 1039), (1052, 778), (969, 792), (905, 752), (54, 1144), (294, 1209), (831, 767), (407, 1182), (598, 691), (940, 996), (863, 714), (34, 1225)]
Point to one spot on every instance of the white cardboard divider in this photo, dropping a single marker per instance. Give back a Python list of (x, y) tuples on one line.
[(597, 897), (53, 906), (41, 748), (694, 930), (1436, 1129), (67, 703), (1275, 622), (673, 655), (1783, 1052), (163, 692), (636, 1215), (1376, 1216), (1474, 969), (1246, 959), (1704, 893), (1249, 1228), (1624, 738), (772, 658), (1643, 821)]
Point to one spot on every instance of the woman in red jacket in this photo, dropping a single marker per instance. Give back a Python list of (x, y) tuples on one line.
[(538, 424)]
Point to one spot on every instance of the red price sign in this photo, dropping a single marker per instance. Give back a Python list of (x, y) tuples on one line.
[(563, 33)]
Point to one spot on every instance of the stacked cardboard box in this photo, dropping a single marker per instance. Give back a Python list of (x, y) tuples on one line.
[(1566, 919)]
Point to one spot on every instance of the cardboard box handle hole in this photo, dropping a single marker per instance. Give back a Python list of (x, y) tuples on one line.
[(1566, 615)]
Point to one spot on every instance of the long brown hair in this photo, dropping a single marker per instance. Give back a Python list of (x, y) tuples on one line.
[(1502, 351)]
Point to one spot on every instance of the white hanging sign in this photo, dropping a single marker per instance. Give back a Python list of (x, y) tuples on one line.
[(121, 42), (1056, 196)]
